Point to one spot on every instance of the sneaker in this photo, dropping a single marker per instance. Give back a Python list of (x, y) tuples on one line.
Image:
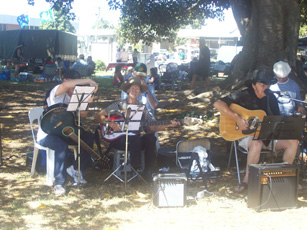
[(74, 174), (59, 190)]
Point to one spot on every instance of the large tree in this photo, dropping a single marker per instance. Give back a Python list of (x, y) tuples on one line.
[(269, 28)]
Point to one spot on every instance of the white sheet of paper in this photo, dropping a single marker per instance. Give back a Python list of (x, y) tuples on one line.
[(81, 94), (136, 116)]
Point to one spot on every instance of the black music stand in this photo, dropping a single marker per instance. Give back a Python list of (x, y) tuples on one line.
[(280, 128), (131, 123), (79, 102)]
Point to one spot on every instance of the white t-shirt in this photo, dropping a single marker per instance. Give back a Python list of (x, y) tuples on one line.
[(125, 57), (52, 100)]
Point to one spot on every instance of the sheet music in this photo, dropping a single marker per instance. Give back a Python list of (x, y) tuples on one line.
[(80, 97), (135, 117)]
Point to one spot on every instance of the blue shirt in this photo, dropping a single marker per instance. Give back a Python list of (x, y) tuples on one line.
[(288, 90)]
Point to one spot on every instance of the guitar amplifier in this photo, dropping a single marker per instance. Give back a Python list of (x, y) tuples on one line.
[(169, 190), (272, 186)]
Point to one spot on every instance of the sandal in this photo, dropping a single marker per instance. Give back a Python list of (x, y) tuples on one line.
[(241, 187)]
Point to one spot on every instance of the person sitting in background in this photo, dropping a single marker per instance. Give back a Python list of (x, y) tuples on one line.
[(48, 61), (149, 98), (18, 58), (118, 77), (124, 56), (80, 66), (288, 89), (129, 73), (49, 68), (91, 66), (153, 78), (60, 67)]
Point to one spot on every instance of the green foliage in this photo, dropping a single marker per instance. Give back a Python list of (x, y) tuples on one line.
[(61, 22), (151, 21), (64, 5), (303, 31), (100, 65)]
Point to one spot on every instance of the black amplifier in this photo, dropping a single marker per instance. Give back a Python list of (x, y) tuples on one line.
[(272, 186), (170, 190)]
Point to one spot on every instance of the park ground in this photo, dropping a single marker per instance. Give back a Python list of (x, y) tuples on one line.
[(27, 203)]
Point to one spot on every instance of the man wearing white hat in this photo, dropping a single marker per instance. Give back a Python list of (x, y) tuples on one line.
[(288, 90)]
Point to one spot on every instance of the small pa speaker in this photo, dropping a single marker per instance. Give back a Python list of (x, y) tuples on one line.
[(169, 190), (272, 186)]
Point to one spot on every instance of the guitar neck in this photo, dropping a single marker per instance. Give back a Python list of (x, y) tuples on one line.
[(74, 137)]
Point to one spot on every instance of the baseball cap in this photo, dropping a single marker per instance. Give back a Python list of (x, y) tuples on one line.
[(140, 69)]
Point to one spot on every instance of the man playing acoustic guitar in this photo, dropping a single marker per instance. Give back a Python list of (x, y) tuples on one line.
[(61, 95), (136, 142), (254, 98)]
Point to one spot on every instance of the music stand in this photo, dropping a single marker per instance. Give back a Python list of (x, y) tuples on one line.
[(131, 122), (280, 128), (79, 102)]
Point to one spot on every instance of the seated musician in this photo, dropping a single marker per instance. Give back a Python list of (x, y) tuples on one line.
[(254, 98), (61, 94), (133, 87)]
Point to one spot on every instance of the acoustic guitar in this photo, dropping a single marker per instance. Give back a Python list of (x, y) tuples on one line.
[(56, 120), (230, 131)]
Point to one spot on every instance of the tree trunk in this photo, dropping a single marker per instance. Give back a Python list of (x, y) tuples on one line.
[(269, 29)]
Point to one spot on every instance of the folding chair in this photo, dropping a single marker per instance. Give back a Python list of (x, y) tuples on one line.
[(183, 152), (235, 148), (35, 114), (50, 71)]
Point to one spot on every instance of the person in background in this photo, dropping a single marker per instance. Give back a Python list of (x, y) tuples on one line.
[(91, 65), (118, 77), (203, 68), (135, 56), (153, 78), (288, 89), (124, 56), (60, 67), (118, 55), (129, 73), (81, 66), (18, 58), (49, 63), (61, 94)]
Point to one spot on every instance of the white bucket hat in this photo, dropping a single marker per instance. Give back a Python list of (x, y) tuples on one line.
[(281, 69)]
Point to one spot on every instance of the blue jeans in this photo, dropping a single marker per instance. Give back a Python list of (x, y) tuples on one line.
[(60, 148)]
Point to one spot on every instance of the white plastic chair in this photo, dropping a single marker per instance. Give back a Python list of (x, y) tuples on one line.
[(35, 114)]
